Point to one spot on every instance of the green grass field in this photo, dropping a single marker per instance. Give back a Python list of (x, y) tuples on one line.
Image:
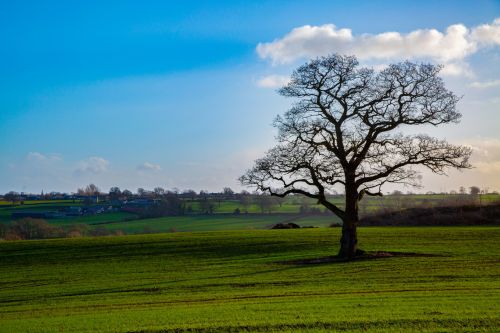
[(290, 204), (93, 219), (224, 219), (217, 222), (237, 281)]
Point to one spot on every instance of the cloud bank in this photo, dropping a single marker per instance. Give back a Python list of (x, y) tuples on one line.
[(273, 81), (485, 84), (451, 47), (93, 165), (39, 157), (146, 166)]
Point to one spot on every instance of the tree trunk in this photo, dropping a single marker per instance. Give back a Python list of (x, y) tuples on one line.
[(349, 239)]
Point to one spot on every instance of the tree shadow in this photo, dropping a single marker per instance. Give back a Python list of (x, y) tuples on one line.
[(372, 255)]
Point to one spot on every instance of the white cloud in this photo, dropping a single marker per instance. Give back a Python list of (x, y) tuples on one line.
[(146, 166), (273, 81), (492, 168), (485, 156), (94, 164), (450, 47), (485, 161), (36, 156), (485, 84), (457, 69), (487, 34), (485, 150)]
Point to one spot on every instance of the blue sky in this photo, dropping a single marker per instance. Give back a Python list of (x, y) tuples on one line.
[(174, 94)]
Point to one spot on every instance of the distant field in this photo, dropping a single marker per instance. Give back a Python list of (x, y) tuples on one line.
[(237, 281), (5, 216), (368, 204), (224, 219), (229, 206), (6, 209), (218, 222), (93, 219)]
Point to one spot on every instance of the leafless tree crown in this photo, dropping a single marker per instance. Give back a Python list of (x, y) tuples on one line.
[(345, 128)]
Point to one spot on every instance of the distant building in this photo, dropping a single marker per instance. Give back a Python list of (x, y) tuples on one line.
[(73, 211), (138, 205)]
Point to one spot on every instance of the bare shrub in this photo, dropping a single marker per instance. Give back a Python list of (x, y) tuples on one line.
[(147, 230), (29, 228), (99, 231), (12, 236), (3, 230), (78, 229), (73, 234)]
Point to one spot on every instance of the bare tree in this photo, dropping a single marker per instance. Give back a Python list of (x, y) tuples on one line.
[(92, 189), (344, 130), (245, 200), (127, 194), (11, 196), (190, 193), (207, 206), (158, 191), (228, 192), (89, 191), (265, 203), (141, 192), (114, 193), (279, 201), (474, 190)]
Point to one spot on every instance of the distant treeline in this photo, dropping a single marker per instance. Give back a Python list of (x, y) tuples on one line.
[(115, 193), (29, 228)]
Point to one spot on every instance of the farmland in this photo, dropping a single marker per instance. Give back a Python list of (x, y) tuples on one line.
[(250, 215), (244, 281), (218, 222)]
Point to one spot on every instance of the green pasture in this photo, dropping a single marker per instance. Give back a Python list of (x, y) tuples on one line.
[(241, 281), (6, 210), (229, 206), (224, 219), (55, 205), (217, 222), (110, 217), (5, 216), (368, 204)]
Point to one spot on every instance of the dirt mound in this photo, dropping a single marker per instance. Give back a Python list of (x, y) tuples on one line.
[(289, 225)]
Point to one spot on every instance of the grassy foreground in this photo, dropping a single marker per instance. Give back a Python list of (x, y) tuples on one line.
[(237, 281)]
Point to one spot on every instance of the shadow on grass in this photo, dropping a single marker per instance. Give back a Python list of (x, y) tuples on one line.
[(365, 256), (431, 324)]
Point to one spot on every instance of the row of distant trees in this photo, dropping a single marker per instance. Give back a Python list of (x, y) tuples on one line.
[(115, 193), (228, 193), (169, 202), (473, 190)]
